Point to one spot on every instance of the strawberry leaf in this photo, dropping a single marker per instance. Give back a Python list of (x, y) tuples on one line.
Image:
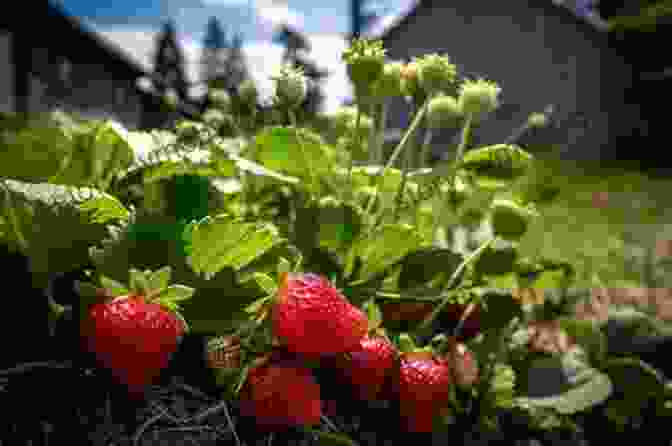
[(174, 294), (421, 266), (115, 288), (384, 248), (284, 266), (159, 279), (138, 281), (222, 241), (266, 283), (105, 208)]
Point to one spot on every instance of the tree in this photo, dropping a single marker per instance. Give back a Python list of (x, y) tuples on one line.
[(222, 63), (215, 52), (169, 63)]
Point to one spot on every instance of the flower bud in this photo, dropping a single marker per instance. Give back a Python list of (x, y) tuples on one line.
[(365, 60), (344, 121), (479, 97), (171, 98), (409, 79), (389, 84), (435, 73), (290, 86), (537, 120), (443, 112), (220, 99), (247, 92), (509, 220)]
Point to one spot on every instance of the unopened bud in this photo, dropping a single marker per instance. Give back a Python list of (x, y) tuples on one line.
[(479, 97)]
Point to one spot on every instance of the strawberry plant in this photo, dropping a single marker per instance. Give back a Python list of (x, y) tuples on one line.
[(296, 257)]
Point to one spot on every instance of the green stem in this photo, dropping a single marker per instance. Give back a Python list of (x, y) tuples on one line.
[(395, 154), (426, 145), (468, 260), (380, 140), (464, 138)]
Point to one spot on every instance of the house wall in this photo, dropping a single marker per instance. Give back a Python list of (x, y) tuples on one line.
[(539, 55), (83, 86)]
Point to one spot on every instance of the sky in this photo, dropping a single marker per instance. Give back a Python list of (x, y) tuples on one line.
[(133, 24)]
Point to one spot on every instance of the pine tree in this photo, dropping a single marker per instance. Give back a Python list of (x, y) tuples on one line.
[(169, 63), (215, 53)]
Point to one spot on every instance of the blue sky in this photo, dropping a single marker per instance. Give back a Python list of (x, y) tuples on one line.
[(133, 24)]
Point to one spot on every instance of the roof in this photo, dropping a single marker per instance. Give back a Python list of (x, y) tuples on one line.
[(90, 38), (594, 26)]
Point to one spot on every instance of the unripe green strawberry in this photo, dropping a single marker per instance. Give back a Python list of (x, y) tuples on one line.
[(220, 99), (247, 93), (389, 84), (510, 220), (290, 86), (365, 60), (443, 111), (133, 338), (311, 317), (368, 367), (478, 97), (422, 389), (279, 394), (435, 73)]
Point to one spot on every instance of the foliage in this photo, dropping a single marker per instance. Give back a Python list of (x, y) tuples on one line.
[(231, 214)]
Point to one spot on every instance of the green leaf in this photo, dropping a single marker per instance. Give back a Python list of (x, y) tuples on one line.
[(139, 280), (259, 170), (33, 213), (159, 279), (221, 241), (284, 266), (105, 208), (509, 219), (500, 309), (594, 391), (588, 335), (331, 438), (296, 152), (386, 246), (635, 381), (497, 166), (174, 293), (266, 283), (201, 163), (114, 287), (421, 266), (497, 259)]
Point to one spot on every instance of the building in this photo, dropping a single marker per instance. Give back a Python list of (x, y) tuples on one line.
[(541, 54), (48, 59)]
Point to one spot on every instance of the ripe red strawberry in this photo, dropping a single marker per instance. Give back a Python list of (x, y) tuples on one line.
[(133, 338), (422, 389), (280, 394), (368, 367), (312, 317), (465, 369)]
